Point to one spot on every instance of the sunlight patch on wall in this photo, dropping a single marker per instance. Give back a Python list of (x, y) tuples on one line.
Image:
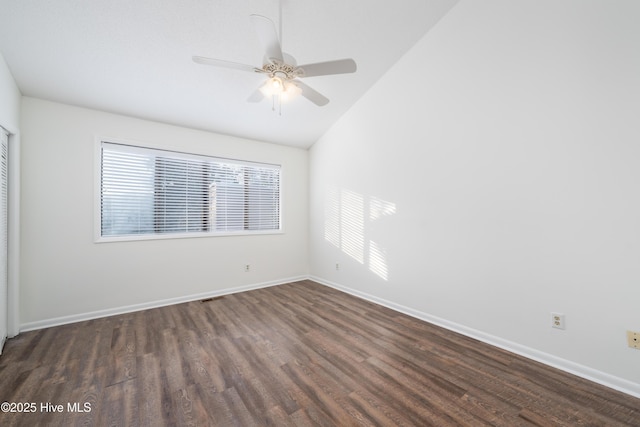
[(379, 208), (352, 225), (332, 218), (349, 218), (378, 260)]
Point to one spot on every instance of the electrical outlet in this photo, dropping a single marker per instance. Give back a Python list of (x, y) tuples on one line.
[(247, 268), (557, 320), (337, 266), (633, 339)]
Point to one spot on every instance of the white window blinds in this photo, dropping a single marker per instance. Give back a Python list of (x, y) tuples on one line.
[(151, 192), (4, 253)]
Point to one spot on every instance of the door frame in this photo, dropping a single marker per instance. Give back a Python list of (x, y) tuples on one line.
[(13, 236)]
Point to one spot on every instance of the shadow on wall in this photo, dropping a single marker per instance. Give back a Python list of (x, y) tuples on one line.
[(350, 224)]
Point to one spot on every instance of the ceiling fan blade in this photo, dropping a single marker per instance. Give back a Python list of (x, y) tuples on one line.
[(268, 36), (311, 94), (256, 96), (340, 66), (226, 64)]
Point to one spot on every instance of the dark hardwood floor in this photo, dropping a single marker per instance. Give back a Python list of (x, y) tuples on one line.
[(296, 354)]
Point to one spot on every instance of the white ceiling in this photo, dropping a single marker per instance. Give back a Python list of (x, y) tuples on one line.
[(134, 57)]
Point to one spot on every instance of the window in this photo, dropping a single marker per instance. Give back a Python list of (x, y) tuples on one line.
[(4, 230), (147, 192)]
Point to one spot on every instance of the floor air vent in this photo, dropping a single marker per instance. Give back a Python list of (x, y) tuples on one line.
[(211, 299)]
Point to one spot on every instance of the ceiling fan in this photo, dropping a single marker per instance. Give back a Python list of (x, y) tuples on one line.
[(282, 72)]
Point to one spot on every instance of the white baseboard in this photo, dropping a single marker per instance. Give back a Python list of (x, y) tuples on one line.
[(57, 321), (582, 371)]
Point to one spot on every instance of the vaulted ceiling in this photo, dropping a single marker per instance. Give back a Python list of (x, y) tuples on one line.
[(134, 57)]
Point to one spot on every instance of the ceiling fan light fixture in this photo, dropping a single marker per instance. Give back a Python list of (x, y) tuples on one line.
[(282, 88), (273, 86), (276, 84), (291, 91)]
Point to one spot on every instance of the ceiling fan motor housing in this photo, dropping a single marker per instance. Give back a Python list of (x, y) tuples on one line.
[(281, 70)]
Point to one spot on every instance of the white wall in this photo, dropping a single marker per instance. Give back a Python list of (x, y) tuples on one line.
[(66, 276), (491, 177), (10, 98)]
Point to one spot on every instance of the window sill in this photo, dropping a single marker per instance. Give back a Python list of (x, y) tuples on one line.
[(166, 236)]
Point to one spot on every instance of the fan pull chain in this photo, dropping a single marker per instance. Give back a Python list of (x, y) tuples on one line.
[(273, 104)]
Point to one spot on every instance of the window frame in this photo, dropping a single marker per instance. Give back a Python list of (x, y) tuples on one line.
[(99, 238)]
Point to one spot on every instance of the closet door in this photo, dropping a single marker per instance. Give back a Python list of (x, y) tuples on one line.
[(4, 160)]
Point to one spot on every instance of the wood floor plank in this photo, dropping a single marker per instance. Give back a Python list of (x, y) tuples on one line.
[(377, 409), (237, 413), (153, 396), (266, 373), (298, 354), (119, 405), (323, 402), (190, 409), (495, 415), (173, 364)]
